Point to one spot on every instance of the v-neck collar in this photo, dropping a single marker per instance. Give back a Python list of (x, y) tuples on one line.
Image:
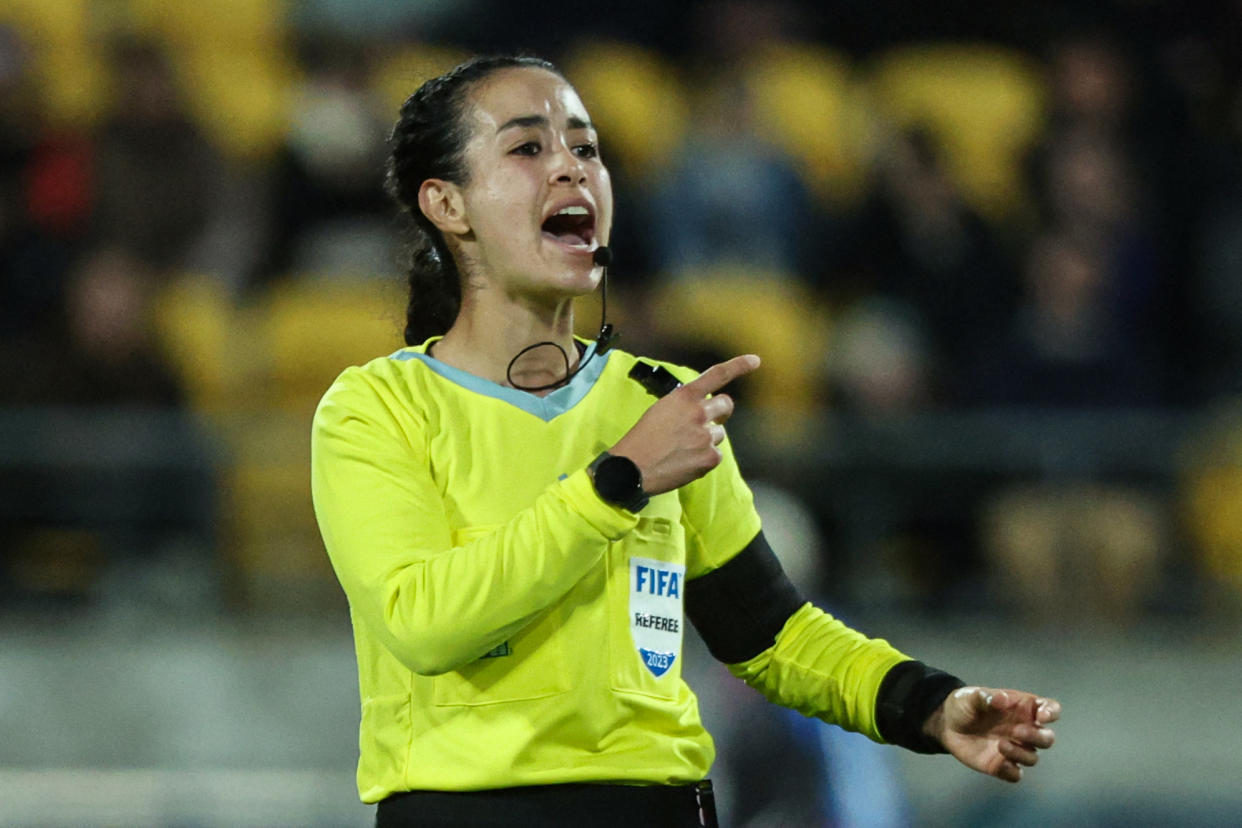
[(545, 408)]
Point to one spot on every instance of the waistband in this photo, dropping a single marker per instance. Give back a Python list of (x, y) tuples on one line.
[(555, 806)]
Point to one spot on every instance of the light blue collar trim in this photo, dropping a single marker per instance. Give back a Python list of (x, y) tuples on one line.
[(545, 408)]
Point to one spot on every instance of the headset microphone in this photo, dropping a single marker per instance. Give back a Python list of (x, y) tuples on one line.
[(603, 258)]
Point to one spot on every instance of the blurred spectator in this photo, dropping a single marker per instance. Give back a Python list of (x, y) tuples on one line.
[(156, 174), (44, 199), (732, 226), (100, 350), (1070, 345), (878, 359), (1070, 545), (329, 213), (1094, 195), (65, 523), (1094, 179), (730, 198), (1216, 303), (1212, 331), (918, 242), (1091, 85)]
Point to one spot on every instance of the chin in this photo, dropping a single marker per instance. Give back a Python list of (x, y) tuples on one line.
[(579, 282), (575, 275)]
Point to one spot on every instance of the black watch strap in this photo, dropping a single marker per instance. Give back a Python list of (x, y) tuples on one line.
[(618, 481)]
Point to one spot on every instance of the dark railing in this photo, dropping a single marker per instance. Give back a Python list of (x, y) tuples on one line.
[(863, 477), (107, 467), (926, 480)]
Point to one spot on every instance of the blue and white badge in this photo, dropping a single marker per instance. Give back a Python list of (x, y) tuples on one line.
[(656, 589)]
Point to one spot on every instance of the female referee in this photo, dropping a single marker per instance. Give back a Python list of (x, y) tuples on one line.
[(522, 521)]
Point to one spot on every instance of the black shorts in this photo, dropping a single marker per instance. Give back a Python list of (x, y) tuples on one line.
[(554, 806)]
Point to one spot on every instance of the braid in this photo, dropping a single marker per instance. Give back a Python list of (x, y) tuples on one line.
[(428, 141)]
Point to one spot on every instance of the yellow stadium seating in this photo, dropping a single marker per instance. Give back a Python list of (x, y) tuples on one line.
[(236, 26), (281, 350), (235, 64), (272, 549), (740, 310), (257, 370), (309, 331), (635, 98), (809, 102), (1212, 492), (983, 103), (400, 72), (312, 330), (197, 328), (241, 101), (66, 57)]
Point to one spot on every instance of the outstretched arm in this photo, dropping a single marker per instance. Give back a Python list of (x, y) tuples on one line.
[(997, 732), (754, 620)]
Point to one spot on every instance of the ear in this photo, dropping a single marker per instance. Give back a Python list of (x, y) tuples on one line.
[(442, 203)]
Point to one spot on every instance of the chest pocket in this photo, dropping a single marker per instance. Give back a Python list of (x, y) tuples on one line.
[(530, 665), (646, 583)]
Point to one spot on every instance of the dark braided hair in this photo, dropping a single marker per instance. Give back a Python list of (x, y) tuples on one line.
[(428, 141)]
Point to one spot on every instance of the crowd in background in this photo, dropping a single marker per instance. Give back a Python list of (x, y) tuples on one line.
[(887, 270)]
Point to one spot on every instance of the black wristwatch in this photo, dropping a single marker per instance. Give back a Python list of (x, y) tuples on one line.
[(618, 481)]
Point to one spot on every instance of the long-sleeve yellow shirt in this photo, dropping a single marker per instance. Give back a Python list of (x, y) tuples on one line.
[(511, 627)]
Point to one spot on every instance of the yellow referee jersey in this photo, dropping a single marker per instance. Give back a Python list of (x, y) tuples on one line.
[(511, 627)]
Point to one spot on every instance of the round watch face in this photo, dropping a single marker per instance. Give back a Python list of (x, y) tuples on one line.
[(618, 481)]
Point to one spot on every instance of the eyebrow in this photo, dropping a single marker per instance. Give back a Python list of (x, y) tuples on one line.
[(574, 122)]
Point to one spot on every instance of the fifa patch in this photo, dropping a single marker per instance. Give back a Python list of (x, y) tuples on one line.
[(656, 611)]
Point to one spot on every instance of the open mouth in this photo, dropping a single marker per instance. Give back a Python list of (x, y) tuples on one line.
[(572, 225)]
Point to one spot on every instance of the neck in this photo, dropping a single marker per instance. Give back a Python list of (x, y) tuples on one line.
[(491, 329)]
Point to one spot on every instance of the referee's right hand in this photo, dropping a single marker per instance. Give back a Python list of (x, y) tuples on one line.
[(677, 439)]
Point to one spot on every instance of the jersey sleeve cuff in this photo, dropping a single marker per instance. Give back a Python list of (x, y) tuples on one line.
[(613, 522), (910, 692)]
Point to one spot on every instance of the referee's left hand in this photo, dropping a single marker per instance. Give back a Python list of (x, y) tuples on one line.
[(997, 732)]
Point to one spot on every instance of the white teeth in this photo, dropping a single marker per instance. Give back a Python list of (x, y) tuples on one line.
[(572, 211)]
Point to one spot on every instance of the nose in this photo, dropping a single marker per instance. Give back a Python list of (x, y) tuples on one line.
[(568, 168)]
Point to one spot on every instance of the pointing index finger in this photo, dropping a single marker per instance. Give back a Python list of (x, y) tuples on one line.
[(721, 374)]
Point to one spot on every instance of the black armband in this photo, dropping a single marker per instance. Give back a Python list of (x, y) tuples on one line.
[(739, 608), (909, 693)]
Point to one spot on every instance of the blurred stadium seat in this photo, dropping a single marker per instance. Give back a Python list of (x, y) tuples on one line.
[(273, 555), (67, 62), (241, 100), (312, 330), (740, 310), (196, 326), (984, 104), (635, 98), (235, 64), (400, 71), (226, 25), (809, 102), (1211, 494), (258, 370)]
